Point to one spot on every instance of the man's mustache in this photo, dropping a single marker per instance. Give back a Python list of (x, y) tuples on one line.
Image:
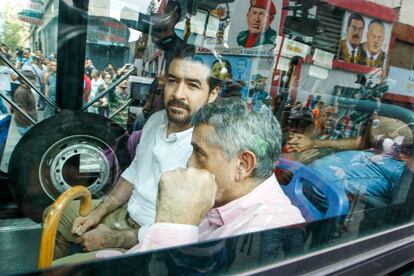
[(355, 36), (178, 103)]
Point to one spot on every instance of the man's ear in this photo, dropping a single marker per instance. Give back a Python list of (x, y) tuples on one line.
[(246, 165), (213, 94)]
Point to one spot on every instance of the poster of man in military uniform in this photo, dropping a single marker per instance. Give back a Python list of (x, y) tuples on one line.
[(260, 26), (350, 48), (373, 54)]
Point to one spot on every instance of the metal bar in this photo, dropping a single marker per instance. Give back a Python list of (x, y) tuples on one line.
[(120, 109), (27, 116), (72, 31), (20, 74), (114, 84)]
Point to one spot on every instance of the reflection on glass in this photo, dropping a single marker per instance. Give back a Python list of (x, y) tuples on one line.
[(335, 78)]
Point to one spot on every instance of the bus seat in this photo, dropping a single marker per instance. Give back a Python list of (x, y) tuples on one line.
[(54, 213), (337, 200), (133, 141)]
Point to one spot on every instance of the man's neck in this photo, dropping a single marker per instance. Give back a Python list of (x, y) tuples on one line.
[(372, 54), (245, 187), (175, 128)]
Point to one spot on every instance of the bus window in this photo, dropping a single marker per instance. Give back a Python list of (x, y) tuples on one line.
[(79, 102)]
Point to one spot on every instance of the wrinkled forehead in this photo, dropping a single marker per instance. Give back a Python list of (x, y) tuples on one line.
[(258, 10), (189, 68), (201, 134), (329, 110), (376, 28)]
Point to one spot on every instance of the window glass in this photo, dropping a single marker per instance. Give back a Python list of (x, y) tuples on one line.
[(338, 78), (29, 42)]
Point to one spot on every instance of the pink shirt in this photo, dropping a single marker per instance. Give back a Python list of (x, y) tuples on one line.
[(263, 208)]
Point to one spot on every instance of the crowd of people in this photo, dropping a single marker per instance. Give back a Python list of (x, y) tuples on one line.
[(209, 157), (41, 70)]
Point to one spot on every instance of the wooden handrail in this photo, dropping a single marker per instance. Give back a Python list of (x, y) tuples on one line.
[(47, 243)]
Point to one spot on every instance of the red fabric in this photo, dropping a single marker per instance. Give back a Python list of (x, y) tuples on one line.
[(251, 40), (264, 4), (86, 88)]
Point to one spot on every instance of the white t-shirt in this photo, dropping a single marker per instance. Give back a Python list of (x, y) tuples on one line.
[(95, 85), (155, 155), (5, 79)]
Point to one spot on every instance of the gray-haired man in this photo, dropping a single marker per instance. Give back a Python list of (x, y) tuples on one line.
[(228, 187)]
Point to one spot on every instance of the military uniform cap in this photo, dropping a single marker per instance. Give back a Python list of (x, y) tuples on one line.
[(258, 77), (264, 4)]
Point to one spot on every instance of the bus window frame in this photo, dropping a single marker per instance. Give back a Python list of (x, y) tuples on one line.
[(388, 249)]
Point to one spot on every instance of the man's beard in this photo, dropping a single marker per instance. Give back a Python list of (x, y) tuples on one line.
[(179, 118)]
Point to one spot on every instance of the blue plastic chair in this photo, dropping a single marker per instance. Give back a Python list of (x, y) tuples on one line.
[(5, 120), (338, 203)]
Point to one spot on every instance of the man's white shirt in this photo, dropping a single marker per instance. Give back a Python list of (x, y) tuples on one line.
[(155, 154)]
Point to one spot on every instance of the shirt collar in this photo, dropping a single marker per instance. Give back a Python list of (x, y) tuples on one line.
[(374, 57), (224, 214), (350, 48)]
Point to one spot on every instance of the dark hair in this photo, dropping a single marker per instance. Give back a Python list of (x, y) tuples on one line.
[(376, 21), (35, 59), (355, 16)]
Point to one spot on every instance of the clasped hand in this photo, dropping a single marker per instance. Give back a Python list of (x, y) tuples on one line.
[(185, 196)]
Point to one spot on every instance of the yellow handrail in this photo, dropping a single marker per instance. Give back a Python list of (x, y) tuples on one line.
[(47, 243)]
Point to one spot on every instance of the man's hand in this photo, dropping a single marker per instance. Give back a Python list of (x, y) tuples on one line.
[(99, 238), (83, 224), (299, 142), (125, 68), (185, 196)]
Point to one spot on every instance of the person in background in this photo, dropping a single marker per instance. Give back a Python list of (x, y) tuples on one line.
[(7, 75), (96, 81), (50, 88), (5, 51), (110, 69), (24, 98), (89, 67), (86, 88), (317, 112), (24, 58), (40, 75), (153, 103), (102, 104), (120, 96)]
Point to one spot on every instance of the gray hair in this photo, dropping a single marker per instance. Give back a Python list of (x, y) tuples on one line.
[(237, 129)]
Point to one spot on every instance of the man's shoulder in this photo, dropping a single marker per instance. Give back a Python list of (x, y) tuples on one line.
[(157, 116), (155, 120), (270, 36), (242, 37), (381, 56)]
